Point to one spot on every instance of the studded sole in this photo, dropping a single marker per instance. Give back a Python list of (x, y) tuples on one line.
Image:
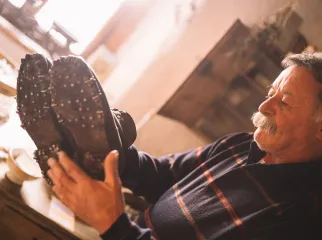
[(82, 109), (35, 112)]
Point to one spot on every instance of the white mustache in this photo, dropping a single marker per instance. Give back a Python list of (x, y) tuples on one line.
[(264, 122)]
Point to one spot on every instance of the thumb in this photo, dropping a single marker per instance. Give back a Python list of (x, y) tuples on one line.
[(111, 167)]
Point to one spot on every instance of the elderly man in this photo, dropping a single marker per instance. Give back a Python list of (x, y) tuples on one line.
[(265, 185)]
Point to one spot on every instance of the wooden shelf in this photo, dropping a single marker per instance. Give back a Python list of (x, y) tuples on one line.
[(209, 79), (227, 87)]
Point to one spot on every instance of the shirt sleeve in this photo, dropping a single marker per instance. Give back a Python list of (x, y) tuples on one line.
[(150, 177), (124, 229)]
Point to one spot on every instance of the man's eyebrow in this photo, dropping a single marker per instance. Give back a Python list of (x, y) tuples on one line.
[(271, 87), (287, 93)]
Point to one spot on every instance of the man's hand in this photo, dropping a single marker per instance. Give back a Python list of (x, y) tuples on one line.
[(98, 203)]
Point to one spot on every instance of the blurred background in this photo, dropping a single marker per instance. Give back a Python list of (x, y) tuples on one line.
[(188, 71)]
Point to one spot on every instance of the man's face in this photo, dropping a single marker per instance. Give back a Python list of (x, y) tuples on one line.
[(285, 119)]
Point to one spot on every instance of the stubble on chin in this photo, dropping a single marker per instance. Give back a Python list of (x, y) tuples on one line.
[(259, 137)]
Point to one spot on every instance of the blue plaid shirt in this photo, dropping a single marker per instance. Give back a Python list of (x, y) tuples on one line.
[(221, 191)]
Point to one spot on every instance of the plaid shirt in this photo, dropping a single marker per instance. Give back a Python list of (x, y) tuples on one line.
[(221, 191)]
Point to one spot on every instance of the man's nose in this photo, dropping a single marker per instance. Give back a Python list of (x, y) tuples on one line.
[(267, 107)]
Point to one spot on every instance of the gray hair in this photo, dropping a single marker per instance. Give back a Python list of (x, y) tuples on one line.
[(313, 62)]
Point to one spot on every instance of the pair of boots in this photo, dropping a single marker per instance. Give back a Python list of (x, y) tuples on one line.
[(63, 108)]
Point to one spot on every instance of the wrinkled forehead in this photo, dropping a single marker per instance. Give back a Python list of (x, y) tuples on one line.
[(297, 79)]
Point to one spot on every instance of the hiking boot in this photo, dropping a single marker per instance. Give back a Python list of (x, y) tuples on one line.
[(84, 114), (35, 112)]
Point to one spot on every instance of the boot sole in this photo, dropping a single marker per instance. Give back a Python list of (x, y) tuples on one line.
[(82, 109), (35, 112)]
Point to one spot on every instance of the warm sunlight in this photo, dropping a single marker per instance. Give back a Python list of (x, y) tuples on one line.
[(83, 19)]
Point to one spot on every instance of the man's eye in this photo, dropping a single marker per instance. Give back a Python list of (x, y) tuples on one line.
[(284, 103)]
